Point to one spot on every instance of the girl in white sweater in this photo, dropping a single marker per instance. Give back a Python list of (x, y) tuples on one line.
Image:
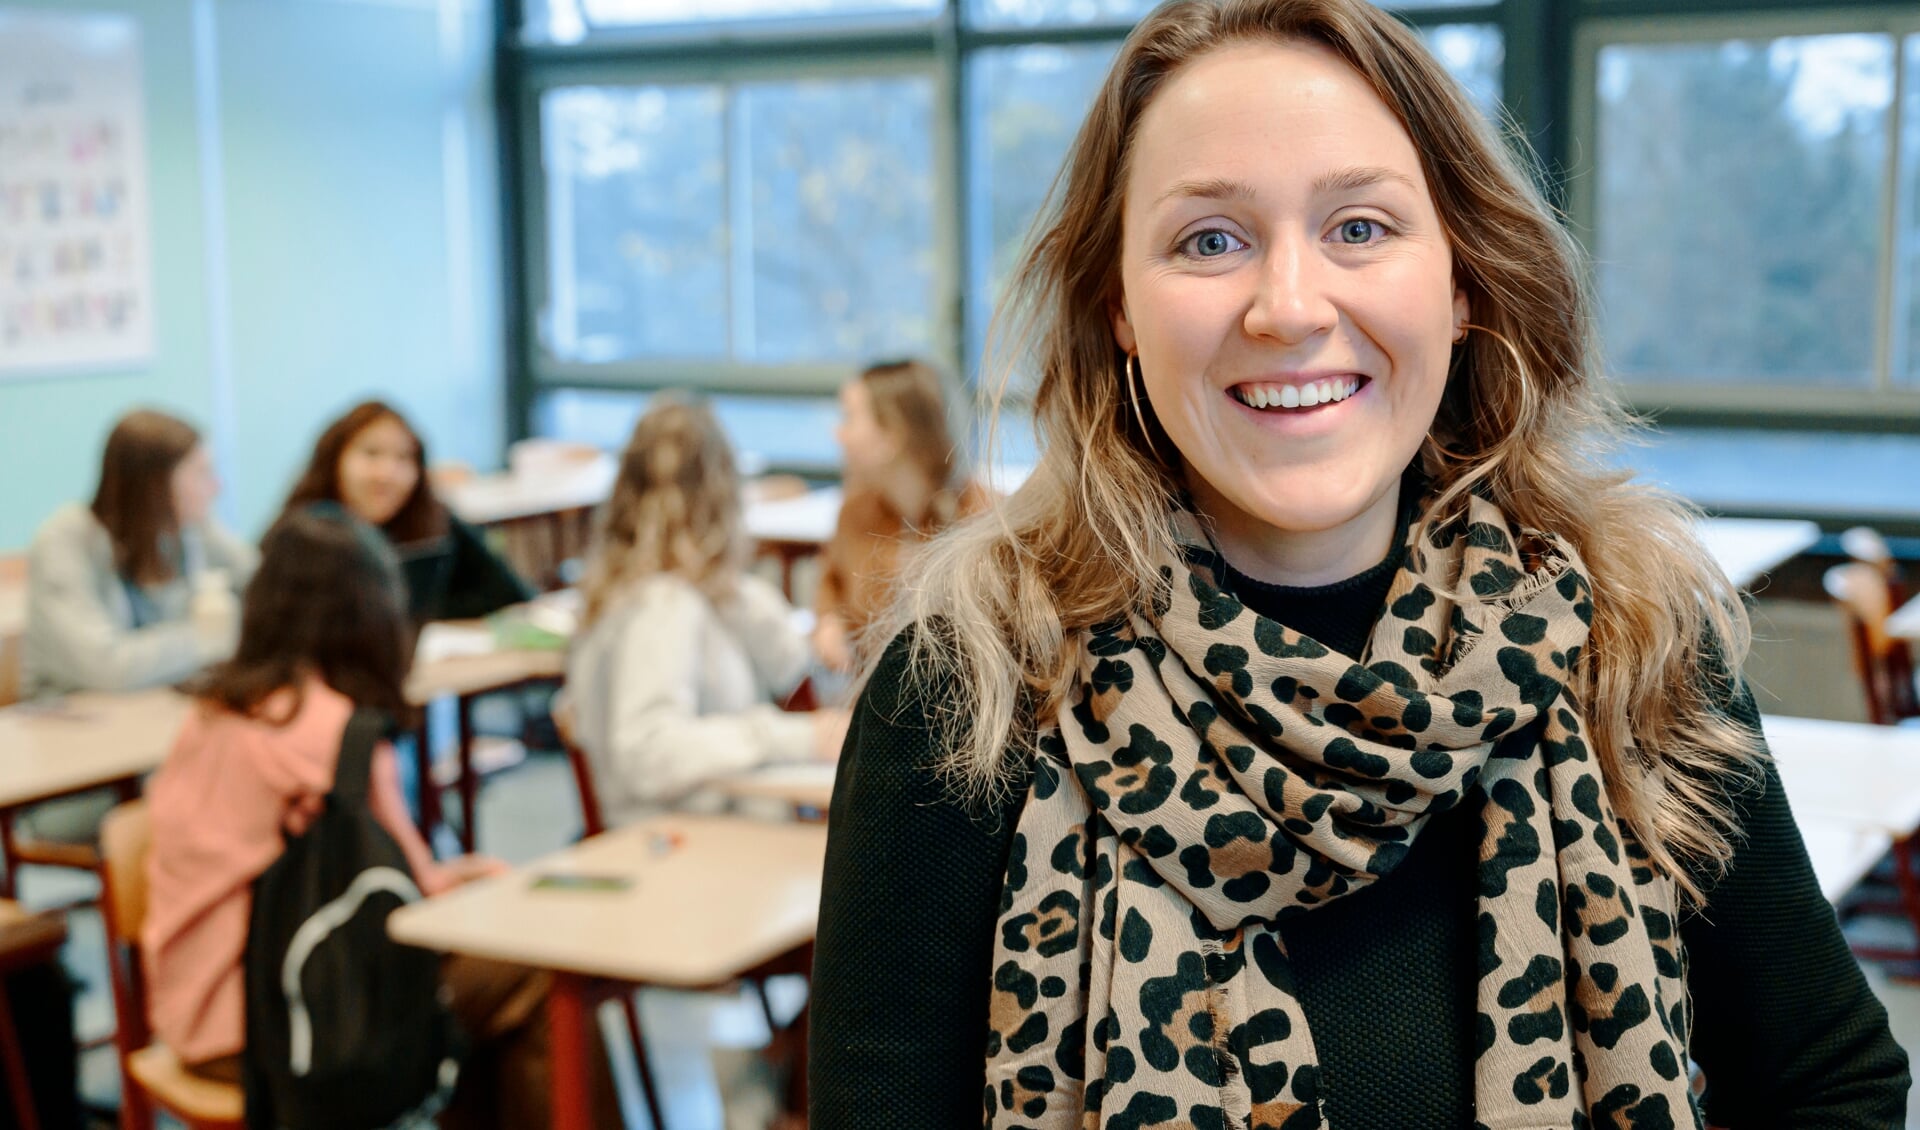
[(682, 655)]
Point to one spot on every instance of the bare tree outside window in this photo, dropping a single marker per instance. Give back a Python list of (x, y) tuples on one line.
[(1739, 210)]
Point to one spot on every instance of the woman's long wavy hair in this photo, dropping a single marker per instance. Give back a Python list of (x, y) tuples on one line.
[(675, 508), (1523, 421)]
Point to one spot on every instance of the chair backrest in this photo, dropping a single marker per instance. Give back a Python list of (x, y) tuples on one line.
[(125, 836), (582, 768), (1865, 545), (1884, 662)]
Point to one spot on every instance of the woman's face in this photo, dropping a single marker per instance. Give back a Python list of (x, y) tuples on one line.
[(195, 486), (378, 471), (865, 447), (1290, 295)]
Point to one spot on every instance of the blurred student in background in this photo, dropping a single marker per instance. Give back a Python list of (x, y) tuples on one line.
[(139, 588), (373, 462), (905, 482), (682, 654), (324, 631)]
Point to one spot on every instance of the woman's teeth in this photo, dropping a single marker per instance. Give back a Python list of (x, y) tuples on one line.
[(1310, 394)]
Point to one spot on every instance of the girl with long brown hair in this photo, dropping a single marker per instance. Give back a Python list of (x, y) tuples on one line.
[(110, 585), (905, 482), (682, 654), (1326, 734), (373, 462)]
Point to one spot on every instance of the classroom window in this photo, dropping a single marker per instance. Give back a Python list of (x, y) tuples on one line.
[(1025, 107), (1740, 212), (1906, 345), (755, 223), (1473, 54), (568, 21), (1068, 13)]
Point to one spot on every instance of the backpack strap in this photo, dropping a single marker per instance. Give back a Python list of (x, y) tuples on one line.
[(351, 775)]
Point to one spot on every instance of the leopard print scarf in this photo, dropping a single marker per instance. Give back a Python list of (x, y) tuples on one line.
[(1216, 772)]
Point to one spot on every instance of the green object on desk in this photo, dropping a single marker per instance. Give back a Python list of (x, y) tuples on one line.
[(517, 633)]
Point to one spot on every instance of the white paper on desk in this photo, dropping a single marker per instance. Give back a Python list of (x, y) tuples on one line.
[(452, 641)]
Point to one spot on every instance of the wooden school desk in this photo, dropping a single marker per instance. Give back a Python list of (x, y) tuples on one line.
[(466, 677), (78, 743), (805, 786), (1748, 548), (1855, 792), (711, 900)]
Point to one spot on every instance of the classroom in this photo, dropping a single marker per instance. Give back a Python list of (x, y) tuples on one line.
[(766, 564)]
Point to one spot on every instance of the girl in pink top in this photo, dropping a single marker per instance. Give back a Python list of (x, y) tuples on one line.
[(324, 629)]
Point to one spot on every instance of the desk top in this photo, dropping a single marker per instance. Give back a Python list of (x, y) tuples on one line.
[(83, 741), (464, 675), (727, 895), (1747, 548), (1849, 771), (807, 784), (1905, 621), (1842, 853), (806, 520), (504, 497)]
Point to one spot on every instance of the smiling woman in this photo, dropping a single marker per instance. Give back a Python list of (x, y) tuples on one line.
[(1322, 735)]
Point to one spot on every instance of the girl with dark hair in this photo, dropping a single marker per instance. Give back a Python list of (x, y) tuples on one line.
[(373, 462), (324, 630), (111, 586)]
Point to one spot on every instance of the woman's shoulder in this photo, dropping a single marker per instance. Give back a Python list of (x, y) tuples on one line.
[(902, 728)]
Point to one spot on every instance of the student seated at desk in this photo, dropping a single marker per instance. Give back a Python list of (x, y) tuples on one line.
[(905, 482), (372, 462), (324, 630), (120, 593), (682, 654)]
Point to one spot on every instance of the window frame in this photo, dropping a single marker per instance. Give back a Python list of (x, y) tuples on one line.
[(939, 45), (1884, 406), (669, 61)]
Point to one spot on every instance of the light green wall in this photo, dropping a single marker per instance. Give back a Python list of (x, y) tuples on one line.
[(352, 250)]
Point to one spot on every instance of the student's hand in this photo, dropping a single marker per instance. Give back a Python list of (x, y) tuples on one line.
[(302, 813), (830, 642), (829, 732), (461, 870)]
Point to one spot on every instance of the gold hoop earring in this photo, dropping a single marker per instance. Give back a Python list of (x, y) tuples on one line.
[(1529, 395), (1136, 392), (1513, 351)]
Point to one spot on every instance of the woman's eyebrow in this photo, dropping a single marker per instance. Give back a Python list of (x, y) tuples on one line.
[(1217, 188), (1358, 177), (1339, 180)]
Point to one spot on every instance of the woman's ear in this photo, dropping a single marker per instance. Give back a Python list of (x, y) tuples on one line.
[(1461, 315), (1122, 327)]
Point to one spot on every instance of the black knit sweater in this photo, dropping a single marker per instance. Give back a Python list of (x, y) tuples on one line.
[(1786, 1029)]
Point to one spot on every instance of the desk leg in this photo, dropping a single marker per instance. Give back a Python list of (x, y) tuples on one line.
[(429, 792), (469, 782), (8, 865), (569, 1011)]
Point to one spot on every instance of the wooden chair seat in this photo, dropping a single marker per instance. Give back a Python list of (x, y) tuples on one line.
[(203, 1101)]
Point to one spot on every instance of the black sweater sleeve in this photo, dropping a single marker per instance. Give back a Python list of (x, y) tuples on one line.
[(478, 583), (1786, 1029), (905, 947)]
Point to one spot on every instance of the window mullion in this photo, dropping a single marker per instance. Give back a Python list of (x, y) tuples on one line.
[(739, 181)]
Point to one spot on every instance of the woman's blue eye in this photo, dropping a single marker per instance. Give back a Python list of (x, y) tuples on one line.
[(1211, 244), (1358, 231)]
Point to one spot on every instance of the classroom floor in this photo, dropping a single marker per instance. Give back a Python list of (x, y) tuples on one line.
[(531, 811)]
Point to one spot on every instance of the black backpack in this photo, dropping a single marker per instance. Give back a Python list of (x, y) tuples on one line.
[(346, 1029)]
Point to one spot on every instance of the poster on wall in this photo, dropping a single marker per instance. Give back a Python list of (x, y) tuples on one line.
[(76, 291)]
